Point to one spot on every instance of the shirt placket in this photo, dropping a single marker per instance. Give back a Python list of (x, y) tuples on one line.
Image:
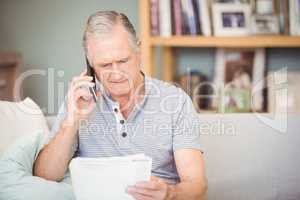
[(122, 129)]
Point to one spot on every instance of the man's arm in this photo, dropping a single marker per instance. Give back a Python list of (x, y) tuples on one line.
[(193, 184), (52, 162)]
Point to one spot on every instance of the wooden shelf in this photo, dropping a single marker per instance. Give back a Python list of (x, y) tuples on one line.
[(168, 55), (227, 42)]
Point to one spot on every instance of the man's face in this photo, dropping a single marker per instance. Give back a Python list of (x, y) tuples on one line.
[(115, 61)]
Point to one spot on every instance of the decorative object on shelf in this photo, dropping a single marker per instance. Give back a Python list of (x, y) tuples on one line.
[(283, 15), (265, 7), (264, 24), (283, 91), (237, 72), (231, 19), (294, 17), (195, 84)]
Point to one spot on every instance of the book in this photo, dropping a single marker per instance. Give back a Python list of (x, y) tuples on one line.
[(204, 17), (154, 17), (191, 17), (108, 177), (178, 21), (165, 25)]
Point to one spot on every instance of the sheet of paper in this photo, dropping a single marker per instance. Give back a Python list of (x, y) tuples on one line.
[(108, 178)]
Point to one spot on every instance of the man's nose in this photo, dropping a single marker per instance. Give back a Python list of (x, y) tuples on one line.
[(115, 73)]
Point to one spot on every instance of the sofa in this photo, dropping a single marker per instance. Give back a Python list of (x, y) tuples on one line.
[(23, 134), (247, 156)]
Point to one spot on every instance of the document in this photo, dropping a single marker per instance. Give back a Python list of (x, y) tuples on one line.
[(107, 178)]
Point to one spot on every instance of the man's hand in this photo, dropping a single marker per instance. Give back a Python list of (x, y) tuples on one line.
[(156, 189), (80, 100), (192, 186)]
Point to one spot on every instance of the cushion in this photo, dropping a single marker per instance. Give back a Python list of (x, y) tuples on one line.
[(16, 166), (19, 118)]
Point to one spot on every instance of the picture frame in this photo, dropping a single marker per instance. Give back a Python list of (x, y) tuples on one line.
[(231, 19), (294, 7), (265, 24), (237, 73)]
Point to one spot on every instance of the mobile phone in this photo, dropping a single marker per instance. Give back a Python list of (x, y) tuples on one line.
[(91, 72)]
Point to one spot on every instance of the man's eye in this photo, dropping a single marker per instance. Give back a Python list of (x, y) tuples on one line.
[(106, 65), (123, 61)]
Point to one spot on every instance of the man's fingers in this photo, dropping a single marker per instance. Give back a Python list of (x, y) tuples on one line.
[(83, 84), (150, 185), (141, 191), (139, 196), (81, 78), (83, 93)]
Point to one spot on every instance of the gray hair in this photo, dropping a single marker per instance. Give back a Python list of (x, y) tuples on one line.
[(102, 22)]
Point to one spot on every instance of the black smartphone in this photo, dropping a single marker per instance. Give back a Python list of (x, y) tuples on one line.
[(91, 72)]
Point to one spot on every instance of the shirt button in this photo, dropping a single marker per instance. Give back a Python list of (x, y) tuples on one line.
[(124, 134), (116, 110), (122, 121)]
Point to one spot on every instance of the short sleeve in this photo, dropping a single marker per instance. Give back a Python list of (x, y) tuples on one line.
[(57, 123), (186, 127), (59, 118)]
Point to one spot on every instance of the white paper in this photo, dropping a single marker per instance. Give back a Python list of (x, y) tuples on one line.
[(108, 178)]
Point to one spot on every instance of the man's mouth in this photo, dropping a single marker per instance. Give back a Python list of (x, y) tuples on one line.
[(118, 82)]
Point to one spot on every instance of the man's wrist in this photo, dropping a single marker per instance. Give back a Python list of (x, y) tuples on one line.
[(70, 124)]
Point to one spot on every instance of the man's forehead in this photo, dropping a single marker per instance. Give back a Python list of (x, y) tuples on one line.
[(109, 57), (109, 49)]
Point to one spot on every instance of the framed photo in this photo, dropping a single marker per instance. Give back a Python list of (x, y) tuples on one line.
[(236, 74), (231, 19), (294, 17), (264, 24)]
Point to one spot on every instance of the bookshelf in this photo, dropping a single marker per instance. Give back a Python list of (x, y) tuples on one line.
[(168, 44)]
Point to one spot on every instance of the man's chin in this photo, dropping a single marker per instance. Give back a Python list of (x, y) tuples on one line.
[(117, 92)]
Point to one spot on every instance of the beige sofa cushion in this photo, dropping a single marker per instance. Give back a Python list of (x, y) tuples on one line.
[(18, 119)]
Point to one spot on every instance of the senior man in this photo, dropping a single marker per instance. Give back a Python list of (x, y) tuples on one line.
[(133, 114)]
